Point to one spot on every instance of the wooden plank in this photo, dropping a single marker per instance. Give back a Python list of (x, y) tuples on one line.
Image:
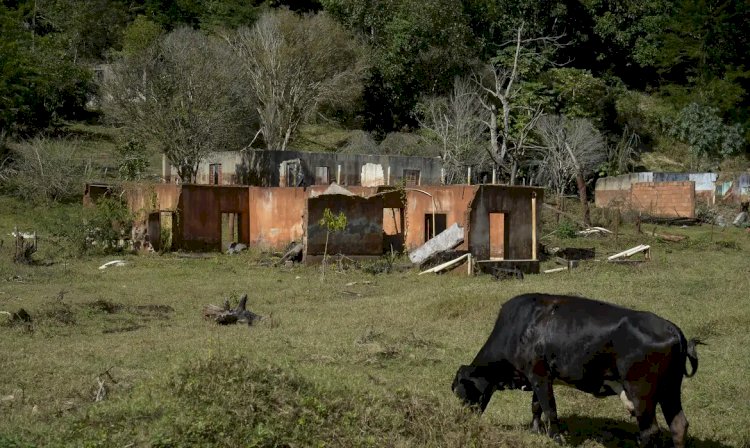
[(632, 251), (550, 271), (440, 267)]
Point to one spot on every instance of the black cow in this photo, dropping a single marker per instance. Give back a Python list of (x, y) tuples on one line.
[(594, 346)]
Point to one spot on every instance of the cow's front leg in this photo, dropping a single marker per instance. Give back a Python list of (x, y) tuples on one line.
[(536, 415), (543, 391)]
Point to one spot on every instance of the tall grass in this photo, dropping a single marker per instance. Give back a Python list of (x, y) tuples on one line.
[(336, 363)]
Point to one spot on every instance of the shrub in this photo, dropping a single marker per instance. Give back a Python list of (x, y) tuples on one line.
[(43, 170), (566, 229), (83, 230)]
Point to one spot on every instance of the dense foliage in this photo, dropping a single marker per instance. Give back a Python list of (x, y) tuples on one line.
[(674, 72)]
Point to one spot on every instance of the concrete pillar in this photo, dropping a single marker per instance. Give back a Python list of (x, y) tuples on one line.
[(468, 176), (388, 176), (494, 175), (338, 174)]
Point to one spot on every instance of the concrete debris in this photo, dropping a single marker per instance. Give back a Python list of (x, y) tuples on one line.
[(740, 219), (446, 240), (721, 221), (24, 235), (366, 282), (294, 253), (594, 231), (117, 263), (334, 188), (235, 248)]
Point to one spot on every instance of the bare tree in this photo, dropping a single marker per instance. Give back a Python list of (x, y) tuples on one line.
[(454, 122), (575, 148), (294, 64), (182, 93), (508, 119)]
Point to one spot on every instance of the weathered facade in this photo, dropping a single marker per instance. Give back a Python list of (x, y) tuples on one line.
[(500, 222), (669, 199), (710, 188), (298, 168)]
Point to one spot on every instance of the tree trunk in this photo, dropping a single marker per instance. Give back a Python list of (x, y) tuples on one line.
[(581, 182), (513, 171), (493, 137)]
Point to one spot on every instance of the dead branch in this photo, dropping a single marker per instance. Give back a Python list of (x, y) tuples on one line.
[(227, 316)]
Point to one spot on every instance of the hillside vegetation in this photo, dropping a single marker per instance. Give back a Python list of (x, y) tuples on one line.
[(658, 84)]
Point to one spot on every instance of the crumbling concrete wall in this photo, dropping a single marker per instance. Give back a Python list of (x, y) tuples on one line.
[(664, 199), (230, 165), (261, 168), (276, 216), (199, 215), (615, 191), (451, 200), (363, 235), (516, 203)]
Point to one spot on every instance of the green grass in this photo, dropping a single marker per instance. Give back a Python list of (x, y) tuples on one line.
[(336, 365)]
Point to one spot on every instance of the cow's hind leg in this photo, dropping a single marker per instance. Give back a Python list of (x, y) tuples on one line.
[(645, 410), (543, 391), (536, 415), (671, 406)]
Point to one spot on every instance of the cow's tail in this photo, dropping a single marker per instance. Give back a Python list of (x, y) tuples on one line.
[(692, 355)]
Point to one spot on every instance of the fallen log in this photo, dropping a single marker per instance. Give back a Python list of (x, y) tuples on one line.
[(227, 316), (668, 237)]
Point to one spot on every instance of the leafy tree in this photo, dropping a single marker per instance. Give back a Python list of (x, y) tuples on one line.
[(133, 160), (418, 48), (88, 29), (578, 93), (139, 35), (332, 223), (39, 84), (702, 128), (293, 65), (181, 92), (630, 28)]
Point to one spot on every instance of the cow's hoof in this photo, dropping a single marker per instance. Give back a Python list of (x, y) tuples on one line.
[(536, 427), (559, 439)]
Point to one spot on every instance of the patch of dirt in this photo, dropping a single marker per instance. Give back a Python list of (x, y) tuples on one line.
[(105, 306), (123, 329), (153, 311)]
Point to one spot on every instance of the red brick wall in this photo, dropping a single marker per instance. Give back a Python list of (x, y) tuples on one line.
[(664, 199), (611, 198)]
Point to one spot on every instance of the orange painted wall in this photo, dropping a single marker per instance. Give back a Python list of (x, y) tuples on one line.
[(200, 209), (276, 216), (452, 200)]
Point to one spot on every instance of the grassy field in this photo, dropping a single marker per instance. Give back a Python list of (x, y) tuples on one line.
[(335, 363)]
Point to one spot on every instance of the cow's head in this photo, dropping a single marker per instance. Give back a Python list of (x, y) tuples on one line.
[(473, 386)]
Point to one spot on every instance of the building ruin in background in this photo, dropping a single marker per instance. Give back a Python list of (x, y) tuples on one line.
[(500, 222)]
